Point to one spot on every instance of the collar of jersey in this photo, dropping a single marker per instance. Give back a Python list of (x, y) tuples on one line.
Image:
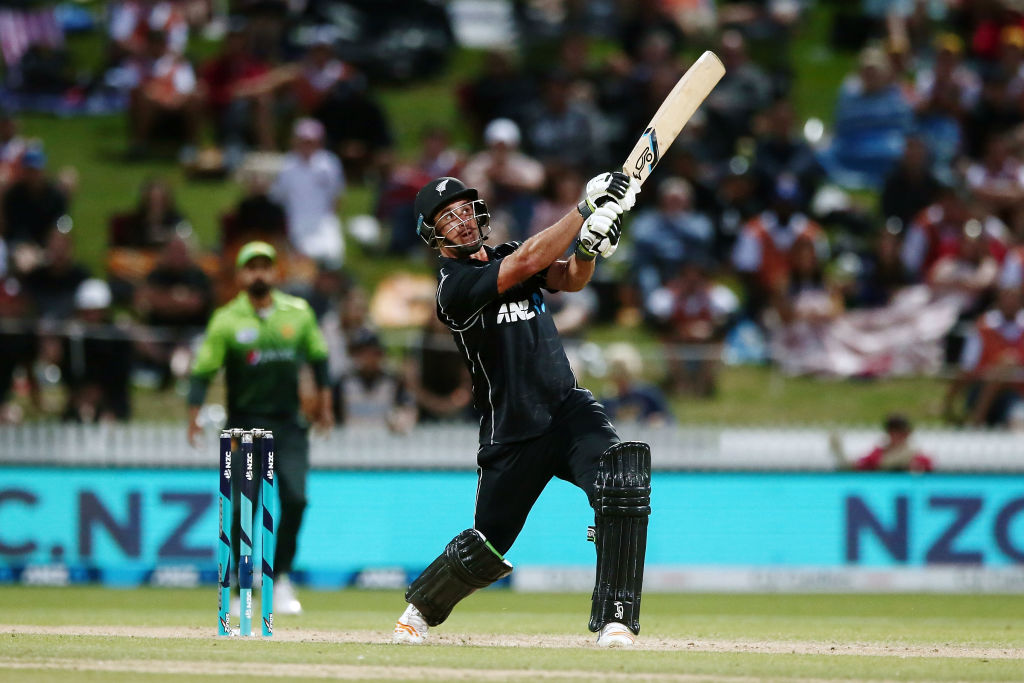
[(471, 261), (246, 304)]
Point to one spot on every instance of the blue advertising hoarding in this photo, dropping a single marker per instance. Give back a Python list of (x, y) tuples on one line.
[(121, 523)]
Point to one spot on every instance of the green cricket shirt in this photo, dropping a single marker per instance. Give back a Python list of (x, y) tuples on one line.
[(261, 353)]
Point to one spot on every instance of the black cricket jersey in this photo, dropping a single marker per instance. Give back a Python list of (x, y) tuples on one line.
[(521, 376)]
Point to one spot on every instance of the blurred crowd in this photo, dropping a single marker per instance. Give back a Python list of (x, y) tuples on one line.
[(886, 240)]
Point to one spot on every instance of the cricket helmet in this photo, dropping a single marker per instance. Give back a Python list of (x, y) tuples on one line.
[(437, 194)]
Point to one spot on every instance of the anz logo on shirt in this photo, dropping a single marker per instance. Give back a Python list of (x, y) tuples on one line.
[(514, 311)]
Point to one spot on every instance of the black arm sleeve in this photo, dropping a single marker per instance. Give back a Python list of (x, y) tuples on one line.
[(197, 387), (320, 375)]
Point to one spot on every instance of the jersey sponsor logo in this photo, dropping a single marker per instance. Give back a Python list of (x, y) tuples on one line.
[(514, 311), (538, 303), (441, 185), (255, 356), (247, 335)]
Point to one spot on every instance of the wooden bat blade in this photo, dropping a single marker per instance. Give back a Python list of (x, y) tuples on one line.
[(677, 108)]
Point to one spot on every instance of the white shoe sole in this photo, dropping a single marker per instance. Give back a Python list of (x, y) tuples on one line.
[(617, 638)]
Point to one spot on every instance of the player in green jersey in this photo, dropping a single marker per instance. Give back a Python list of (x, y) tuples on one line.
[(261, 338)]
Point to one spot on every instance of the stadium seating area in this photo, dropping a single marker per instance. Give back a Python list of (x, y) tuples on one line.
[(885, 241)]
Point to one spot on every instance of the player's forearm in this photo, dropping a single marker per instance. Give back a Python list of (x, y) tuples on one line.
[(540, 251), (570, 275)]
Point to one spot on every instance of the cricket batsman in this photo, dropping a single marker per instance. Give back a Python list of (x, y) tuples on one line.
[(261, 338), (536, 422)]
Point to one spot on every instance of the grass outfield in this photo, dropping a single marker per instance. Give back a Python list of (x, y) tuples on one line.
[(95, 634)]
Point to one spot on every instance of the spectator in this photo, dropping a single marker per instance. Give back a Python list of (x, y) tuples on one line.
[(997, 112), (132, 23), (156, 220), (998, 181), (257, 216), (762, 254), (780, 150), (896, 453), (12, 147), (562, 190), (175, 301), (691, 313), (669, 235), (911, 185), (573, 311), (235, 98), (945, 93), (880, 273), (319, 72), (969, 273), (934, 232), (19, 346), (801, 313), (369, 395), (309, 186), (501, 91), (633, 401), (644, 19), (1011, 273), (34, 203), (562, 130), (53, 285), (872, 119), (507, 177), (358, 128), (743, 91), (349, 319), (437, 377), (734, 202), (329, 286), (991, 366), (96, 359), (167, 95), (805, 298), (437, 158)]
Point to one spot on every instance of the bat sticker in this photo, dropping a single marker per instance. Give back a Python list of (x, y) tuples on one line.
[(650, 157)]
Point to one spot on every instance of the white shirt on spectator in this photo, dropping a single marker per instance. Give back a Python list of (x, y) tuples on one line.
[(177, 71), (308, 190), (1011, 174), (125, 18), (1012, 273)]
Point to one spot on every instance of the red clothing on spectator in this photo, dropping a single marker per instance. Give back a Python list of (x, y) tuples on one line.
[(222, 75), (877, 460), (998, 348), (776, 246)]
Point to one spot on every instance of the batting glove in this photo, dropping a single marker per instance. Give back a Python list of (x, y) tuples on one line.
[(600, 232), (615, 186)]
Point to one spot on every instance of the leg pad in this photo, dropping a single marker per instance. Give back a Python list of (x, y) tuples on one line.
[(468, 563), (622, 504)]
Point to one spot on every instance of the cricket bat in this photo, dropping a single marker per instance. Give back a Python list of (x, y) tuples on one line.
[(680, 104)]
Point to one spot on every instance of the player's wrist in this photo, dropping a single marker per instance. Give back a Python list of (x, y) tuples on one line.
[(583, 253), (585, 208)]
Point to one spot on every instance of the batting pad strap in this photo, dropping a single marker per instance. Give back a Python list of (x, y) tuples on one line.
[(469, 562), (621, 507)]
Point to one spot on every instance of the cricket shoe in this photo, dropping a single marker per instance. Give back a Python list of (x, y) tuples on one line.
[(614, 634), (285, 599), (411, 627)]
